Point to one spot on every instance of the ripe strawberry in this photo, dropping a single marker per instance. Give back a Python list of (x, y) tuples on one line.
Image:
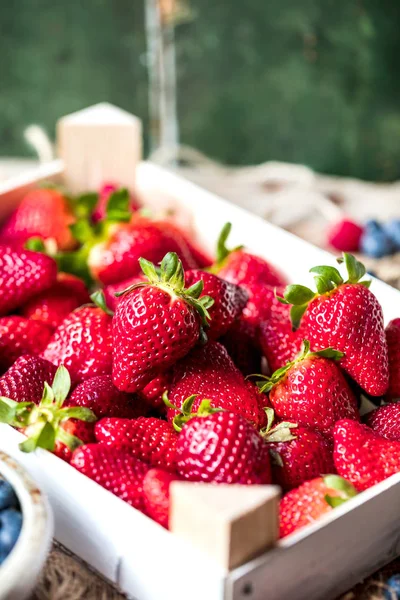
[(49, 424), (209, 373), (263, 304), (105, 400), (362, 455), (24, 381), (115, 469), (240, 267), (23, 274), (43, 213), (393, 342), (156, 486), (117, 257), (242, 348), (223, 448), (111, 290), (83, 343), (20, 336), (229, 300), (348, 317), (297, 453), (385, 421), (156, 324), (53, 305), (311, 501), (106, 191), (150, 439), (279, 343), (153, 392), (312, 391)]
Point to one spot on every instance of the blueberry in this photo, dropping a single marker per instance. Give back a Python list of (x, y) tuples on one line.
[(8, 498), (3, 556), (393, 584), (10, 527), (374, 241), (392, 230)]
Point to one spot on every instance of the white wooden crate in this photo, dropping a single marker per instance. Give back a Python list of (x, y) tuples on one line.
[(148, 562)]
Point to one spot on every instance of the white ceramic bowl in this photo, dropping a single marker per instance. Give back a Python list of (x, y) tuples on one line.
[(20, 570)]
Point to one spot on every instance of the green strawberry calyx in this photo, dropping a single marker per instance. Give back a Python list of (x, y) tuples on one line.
[(185, 412), (265, 384), (98, 298), (42, 423), (171, 278), (346, 490), (88, 234), (280, 432), (222, 252), (327, 279)]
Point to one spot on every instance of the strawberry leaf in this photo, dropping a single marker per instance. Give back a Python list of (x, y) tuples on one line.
[(81, 230), (298, 294), (84, 205), (149, 270), (47, 396), (322, 284), (296, 314), (98, 298), (118, 208), (44, 437), (35, 244), (222, 251), (329, 273), (61, 385), (78, 412), (68, 439), (329, 353), (7, 410)]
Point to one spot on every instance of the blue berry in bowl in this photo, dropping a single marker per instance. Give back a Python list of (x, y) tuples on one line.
[(392, 230), (374, 241), (8, 498), (10, 528), (393, 587)]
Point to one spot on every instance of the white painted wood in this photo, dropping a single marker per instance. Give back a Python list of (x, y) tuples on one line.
[(99, 144), (318, 562), (229, 523)]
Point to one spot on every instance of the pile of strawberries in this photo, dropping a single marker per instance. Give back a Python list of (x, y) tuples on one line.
[(131, 354)]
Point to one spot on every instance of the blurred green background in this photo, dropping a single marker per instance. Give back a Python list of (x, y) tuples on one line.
[(309, 81)]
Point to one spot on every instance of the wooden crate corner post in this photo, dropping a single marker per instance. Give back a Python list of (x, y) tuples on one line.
[(100, 144), (231, 523)]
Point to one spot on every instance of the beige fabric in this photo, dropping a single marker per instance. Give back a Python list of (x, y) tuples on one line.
[(65, 577)]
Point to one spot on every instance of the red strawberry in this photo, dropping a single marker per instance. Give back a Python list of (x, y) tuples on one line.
[(312, 391), (240, 267), (156, 486), (348, 317), (209, 373), (24, 381), (153, 392), (279, 343), (23, 274), (156, 324), (345, 235), (83, 343), (311, 501), (385, 420), (49, 424), (263, 304), (222, 448), (20, 336), (53, 305), (149, 439), (242, 348), (106, 191), (105, 400), (115, 469), (393, 342), (43, 213), (297, 453), (111, 290), (363, 456), (229, 301), (117, 257)]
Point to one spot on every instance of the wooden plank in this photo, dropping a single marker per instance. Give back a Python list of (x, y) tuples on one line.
[(230, 523), (99, 144)]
